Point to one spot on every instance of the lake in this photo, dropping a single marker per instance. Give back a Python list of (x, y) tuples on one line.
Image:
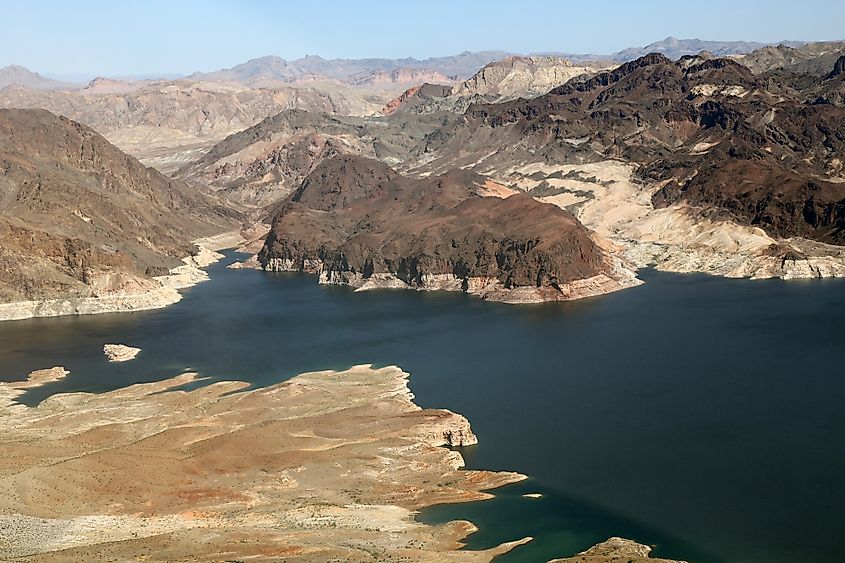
[(701, 415)]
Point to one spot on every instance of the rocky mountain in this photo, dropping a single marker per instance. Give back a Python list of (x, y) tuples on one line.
[(166, 124), (655, 110), (831, 90), (14, 75), (525, 77), (102, 85), (355, 221), (810, 58), (711, 153), (263, 164), (461, 65), (81, 219), (418, 98), (506, 79)]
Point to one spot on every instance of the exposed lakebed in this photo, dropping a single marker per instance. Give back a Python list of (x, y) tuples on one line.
[(699, 414)]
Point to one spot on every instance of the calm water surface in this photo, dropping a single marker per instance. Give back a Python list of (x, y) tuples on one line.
[(701, 415)]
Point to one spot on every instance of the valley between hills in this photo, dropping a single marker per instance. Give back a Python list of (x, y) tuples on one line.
[(514, 179)]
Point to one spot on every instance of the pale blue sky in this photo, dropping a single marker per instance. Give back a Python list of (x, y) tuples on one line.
[(114, 37)]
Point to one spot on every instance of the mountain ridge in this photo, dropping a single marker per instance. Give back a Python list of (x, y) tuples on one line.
[(80, 219)]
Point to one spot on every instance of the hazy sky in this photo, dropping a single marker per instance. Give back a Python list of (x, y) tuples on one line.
[(121, 37)]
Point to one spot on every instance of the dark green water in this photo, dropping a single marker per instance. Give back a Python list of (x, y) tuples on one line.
[(701, 415)]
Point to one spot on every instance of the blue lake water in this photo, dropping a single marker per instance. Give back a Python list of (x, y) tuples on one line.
[(701, 415)]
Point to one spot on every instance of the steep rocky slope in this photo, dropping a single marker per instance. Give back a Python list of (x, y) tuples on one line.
[(79, 218), (831, 89), (355, 221)]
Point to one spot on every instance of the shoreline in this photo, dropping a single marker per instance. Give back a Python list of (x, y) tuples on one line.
[(490, 289), (162, 290)]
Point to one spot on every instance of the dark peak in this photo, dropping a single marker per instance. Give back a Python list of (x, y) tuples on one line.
[(611, 77), (838, 68), (343, 179), (649, 60), (644, 61)]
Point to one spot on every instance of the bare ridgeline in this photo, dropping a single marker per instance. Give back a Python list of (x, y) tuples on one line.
[(532, 179)]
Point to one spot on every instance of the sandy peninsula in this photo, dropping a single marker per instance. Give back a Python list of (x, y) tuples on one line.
[(327, 466)]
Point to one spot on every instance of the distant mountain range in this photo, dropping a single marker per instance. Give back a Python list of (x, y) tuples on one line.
[(455, 67), (461, 65), (674, 48)]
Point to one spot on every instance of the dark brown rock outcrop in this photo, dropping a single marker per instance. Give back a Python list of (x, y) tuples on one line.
[(356, 221)]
